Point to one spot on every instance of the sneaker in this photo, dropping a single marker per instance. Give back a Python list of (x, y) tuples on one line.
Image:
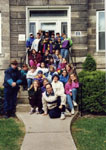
[(32, 111), (67, 112), (62, 116), (37, 111), (72, 111), (74, 103)]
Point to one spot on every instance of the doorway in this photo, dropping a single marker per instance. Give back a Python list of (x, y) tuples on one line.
[(52, 18)]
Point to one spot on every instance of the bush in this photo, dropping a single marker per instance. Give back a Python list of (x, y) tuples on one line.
[(1, 100), (89, 63), (93, 91)]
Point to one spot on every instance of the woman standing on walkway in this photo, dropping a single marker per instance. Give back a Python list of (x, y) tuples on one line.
[(71, 91)]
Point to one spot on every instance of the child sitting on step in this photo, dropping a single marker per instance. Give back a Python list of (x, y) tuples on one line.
[(35, 96)]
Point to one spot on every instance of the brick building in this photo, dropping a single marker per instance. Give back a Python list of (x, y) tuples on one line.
[(83, 20)]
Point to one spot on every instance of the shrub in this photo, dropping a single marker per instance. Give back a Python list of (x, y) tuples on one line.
[(89, 63), (93, 91), (1, 100)]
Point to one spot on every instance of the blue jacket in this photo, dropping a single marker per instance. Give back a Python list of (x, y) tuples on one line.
[(29, 42), (12, 75), (64, 79)]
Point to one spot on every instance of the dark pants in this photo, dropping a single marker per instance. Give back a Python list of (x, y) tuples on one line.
[(36, 102), (56, 112), (24, 82), (10, 99)]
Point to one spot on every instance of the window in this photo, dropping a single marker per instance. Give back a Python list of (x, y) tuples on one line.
[(64, 27), (100, 30), (32, 28), (48, 13), (0, 33)]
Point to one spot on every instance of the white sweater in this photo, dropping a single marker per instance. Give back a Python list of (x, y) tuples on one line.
[(35, 44), (31, 75), (58, 88), (49, 102)]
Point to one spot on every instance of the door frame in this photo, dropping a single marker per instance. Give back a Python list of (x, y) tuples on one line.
[(44, 19)]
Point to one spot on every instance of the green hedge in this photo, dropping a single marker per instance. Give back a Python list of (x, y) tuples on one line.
[(1, 100), (93, 91), (89, 63)]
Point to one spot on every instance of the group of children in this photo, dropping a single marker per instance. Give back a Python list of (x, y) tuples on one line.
[(50, 81)]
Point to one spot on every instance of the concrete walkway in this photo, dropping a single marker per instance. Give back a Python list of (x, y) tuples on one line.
[(43, 133)]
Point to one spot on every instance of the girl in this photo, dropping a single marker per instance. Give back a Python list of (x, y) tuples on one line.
[(35, 96), (34, 58), (50, 73), (57, 58), (43, 88), (30, 75), (71, 91), (42, 68), (64, 77), (69, 68)]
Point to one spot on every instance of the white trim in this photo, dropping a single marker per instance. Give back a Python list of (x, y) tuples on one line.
[(97, 33), (57, 20), (0, 35)]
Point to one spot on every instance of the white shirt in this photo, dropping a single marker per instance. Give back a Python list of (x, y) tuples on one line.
[(35, 44)]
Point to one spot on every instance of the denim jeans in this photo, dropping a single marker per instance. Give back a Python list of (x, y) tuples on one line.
[(29, 82), (64, 53), (74, 94), (71, 98)]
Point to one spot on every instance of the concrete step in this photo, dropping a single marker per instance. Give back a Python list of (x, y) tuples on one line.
[(22, 97), (23, 108), (23, 100)]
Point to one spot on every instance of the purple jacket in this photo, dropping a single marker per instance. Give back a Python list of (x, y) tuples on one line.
[(69, 86)]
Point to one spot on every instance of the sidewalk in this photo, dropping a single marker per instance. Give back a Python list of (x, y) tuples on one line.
[(43, 133)]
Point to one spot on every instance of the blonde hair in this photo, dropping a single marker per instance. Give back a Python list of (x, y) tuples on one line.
[(32, 85)]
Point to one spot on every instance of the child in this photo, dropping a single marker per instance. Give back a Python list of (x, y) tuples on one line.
[(46, 57), (71, 91), (23, 76), (58, 88), (69, 69), (42, 68), (58, 44), (50, 73), (40, 77), (35, 96), (64, 77), (43, 88), (34, 58), (62, 65), (57, 58), (30, 75)]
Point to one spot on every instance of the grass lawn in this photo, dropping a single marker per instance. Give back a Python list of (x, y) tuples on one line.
[(11, 134), (89, 133)]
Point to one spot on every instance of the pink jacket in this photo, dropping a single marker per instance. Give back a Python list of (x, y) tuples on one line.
[(69, 86)]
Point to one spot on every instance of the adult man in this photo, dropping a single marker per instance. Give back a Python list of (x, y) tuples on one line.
[(52, 104), (12, 80)]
